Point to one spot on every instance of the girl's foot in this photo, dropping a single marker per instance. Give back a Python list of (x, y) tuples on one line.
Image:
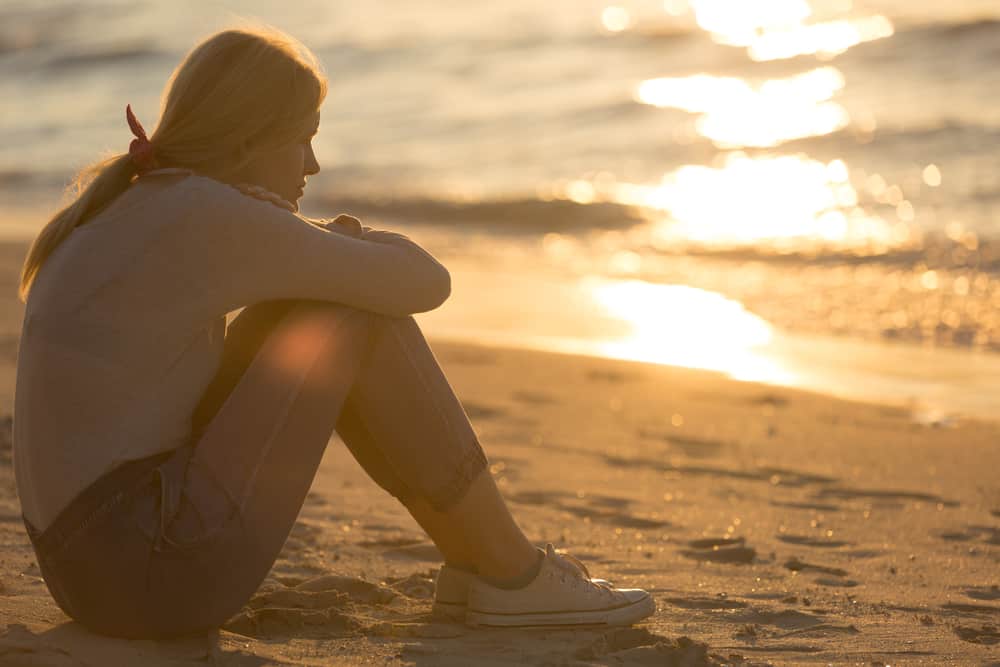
[(451, 592), (562, 594)]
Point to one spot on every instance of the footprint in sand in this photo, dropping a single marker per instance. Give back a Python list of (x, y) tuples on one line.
[(836, 583), (792, 478), (609, 509), (317, 607), (821, 630), (965, 608), (984, 592), (607, 501), (19, 646), (987, 634), (688, 446), (721, 550), (316, 499), (819, 507), (482, 411), (338, 606), (706, 603), (638, 646), (533, 397), (547, 498), (807, 541), (786, 619), (419, 585), (713, 542), (796, 565), (883, 496), (608, 376), (984, 534), (272, 622), (774, 476), (769, 399), (356, 589)]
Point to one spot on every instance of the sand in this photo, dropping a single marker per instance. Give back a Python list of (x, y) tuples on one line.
[(772, 526)]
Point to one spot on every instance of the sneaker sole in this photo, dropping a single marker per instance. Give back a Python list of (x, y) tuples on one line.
[(618, 616), (454, 611)]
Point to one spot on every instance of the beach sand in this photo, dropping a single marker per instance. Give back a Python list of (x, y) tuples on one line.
[(772, 526)]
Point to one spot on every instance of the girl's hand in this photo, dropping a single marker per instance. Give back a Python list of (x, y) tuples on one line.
[(346, 224)]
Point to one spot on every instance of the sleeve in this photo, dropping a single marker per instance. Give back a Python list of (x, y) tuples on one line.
[(251, 251)]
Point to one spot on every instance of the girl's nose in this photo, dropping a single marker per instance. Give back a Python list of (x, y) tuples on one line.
[(311, 166)]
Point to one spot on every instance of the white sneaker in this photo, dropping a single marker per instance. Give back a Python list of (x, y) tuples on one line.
[(562, 594), (451, 592)]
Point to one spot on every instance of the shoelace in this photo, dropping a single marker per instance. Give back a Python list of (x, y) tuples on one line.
[(572, 565)]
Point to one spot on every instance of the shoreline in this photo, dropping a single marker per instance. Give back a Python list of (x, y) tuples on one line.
[(936, 384)]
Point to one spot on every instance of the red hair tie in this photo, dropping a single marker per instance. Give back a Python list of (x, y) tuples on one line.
[(140, 150)]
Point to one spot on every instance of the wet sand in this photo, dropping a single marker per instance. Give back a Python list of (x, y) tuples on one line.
[(773, 526)]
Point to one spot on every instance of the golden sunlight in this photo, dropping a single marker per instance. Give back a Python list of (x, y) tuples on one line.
[(783, 200), (776, 29), (685, 326), (736, 114), (738, 22), (615, 19), (823, 39)]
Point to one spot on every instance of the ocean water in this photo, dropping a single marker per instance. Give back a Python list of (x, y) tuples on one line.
[(733, 169)]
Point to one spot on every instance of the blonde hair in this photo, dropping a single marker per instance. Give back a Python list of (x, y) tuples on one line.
[(218, 114)]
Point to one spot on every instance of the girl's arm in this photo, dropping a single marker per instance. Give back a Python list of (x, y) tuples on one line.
[(237, 250)]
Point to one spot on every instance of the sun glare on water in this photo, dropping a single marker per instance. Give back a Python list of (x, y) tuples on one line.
[(735, 113), (785, 201), (777, 29), (685, 326)]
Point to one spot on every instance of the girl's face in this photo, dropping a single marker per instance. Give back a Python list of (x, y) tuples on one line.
[(284, 171)]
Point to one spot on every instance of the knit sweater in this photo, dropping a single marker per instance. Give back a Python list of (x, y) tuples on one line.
[(125, 322)]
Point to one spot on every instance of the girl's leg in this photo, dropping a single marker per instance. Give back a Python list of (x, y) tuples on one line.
[(475, 532), (260, 443)]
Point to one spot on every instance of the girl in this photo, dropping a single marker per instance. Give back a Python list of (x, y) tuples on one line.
[(160, 459)]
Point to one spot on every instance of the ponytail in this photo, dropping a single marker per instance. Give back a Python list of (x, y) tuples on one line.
[(96, 185), (221, 101)]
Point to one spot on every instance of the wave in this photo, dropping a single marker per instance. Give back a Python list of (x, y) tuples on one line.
[(16, 177), (536, 216), (31, 25), (111, 55), (948, 136), (987, 28), (935, 253)]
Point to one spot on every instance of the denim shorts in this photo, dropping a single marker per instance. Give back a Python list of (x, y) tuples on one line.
[(126, 556)]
